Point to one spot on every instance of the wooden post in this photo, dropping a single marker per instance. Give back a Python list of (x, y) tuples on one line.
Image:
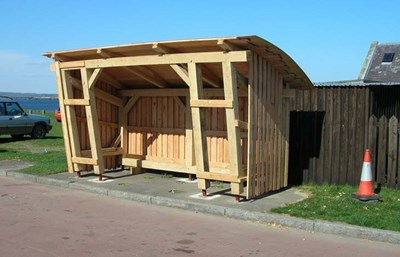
[(251, 166), (61, 97), (232, 114), (92, 120), (70, 116), (188, 135), (200, 143)]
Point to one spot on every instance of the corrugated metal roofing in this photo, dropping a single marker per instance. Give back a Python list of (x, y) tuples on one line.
[(354, 83)]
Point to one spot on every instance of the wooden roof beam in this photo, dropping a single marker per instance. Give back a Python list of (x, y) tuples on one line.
[(101, 94), (208, 76), (227, 46), (107, 78), (104, 77), (58, 58), (143, 72), (242, 82), (181, 71), (145, 60), (162, 49), (148, 75)]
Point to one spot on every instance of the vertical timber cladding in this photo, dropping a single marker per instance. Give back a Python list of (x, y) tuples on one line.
[(159, 134), (156, 129), (107, 114), (268, 136), (331, 132)]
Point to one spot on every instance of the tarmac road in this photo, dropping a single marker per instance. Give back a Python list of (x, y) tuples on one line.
[(39, 220)]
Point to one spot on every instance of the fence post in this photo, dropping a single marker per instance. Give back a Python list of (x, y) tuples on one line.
[(382, 150), (392, 152), (372, 137)]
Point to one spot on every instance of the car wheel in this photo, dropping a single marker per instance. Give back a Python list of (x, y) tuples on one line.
[(39, 132), (18, 137)]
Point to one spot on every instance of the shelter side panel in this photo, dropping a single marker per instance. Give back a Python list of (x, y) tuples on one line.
[(157, 131), (108, 124)]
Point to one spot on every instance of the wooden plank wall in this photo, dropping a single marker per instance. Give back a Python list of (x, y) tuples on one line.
[(384, 144), (108, 123), (267, 168), (385, 101), (157, 130), (328, 135)]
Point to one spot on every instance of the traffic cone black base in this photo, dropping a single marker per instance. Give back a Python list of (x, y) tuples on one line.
[(366, 199)]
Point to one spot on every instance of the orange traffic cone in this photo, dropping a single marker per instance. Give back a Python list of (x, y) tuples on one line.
[(365, 191)]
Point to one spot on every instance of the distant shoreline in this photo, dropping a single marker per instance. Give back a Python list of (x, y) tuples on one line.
[(32, 96), (36, 97)]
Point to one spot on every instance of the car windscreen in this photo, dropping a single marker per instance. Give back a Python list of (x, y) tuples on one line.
[(13, 109)]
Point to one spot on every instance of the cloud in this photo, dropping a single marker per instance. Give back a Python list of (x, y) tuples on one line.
[(25, 74)]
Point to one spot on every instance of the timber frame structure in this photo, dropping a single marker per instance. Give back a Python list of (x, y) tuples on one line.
[(216, 108)]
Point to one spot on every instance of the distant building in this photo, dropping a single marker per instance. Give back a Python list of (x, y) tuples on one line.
[(382, 63)]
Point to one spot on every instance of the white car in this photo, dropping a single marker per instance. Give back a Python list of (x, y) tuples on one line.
[(16, 122)]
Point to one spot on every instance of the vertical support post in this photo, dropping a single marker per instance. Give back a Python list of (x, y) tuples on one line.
[(200, 143), (92, 121), (251, 166), (123, 123), (189, 160), (235, 151), (61, 97), (71, 117), (286, 137)]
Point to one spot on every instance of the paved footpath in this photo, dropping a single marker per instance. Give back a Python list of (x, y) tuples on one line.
[(40, 220)]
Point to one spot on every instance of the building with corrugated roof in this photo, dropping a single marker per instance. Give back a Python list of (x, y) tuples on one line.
[(332, 125)]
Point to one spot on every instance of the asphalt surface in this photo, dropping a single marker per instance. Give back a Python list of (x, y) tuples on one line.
[(40, 220), (178, 192)]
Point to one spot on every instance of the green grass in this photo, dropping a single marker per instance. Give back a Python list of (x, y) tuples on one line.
[(47, 155), (334, 203)]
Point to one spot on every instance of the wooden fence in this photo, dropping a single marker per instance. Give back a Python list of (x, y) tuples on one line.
[(330, 128), (383, 139)]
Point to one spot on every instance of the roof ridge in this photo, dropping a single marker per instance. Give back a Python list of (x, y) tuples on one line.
[(389, 43)]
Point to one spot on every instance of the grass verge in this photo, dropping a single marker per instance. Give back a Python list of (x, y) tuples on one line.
[(47, 155), (334, 203)]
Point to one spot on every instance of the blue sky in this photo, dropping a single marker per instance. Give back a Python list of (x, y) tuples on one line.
[(328, 39)]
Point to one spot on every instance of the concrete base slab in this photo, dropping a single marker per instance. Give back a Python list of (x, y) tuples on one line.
[(206, 198)]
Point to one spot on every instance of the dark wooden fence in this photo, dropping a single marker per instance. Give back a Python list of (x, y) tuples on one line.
[(330, 128), (384, 146)]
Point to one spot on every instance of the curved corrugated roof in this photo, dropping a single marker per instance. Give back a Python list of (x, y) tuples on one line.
[(292, 73)]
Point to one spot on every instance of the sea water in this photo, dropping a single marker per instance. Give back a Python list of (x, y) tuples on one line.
[(38, 104)]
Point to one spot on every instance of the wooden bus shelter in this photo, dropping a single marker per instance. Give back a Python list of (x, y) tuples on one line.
[(216, 108)]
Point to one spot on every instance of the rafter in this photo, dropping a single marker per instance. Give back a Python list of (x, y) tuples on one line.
[(208, 76), (143, 72), (227, 46), (101, 94), (58, 58), (110, 80), (242, 82)]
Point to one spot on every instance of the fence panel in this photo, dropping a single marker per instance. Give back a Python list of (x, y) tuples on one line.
[(392, 151), (330, 128), (385, 150)]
